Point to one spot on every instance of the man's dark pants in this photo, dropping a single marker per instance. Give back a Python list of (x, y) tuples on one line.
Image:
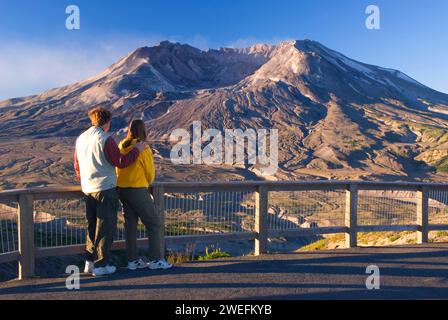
[(101, 213)]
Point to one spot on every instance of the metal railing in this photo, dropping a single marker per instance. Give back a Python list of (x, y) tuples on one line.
[(41, 222)]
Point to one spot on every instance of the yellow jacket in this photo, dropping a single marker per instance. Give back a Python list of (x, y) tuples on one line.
[(141, 173)]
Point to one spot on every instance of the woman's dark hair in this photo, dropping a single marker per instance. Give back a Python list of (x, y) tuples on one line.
[(137, 131)]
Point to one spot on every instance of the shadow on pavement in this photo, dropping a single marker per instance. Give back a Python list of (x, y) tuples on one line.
[(421, 266)]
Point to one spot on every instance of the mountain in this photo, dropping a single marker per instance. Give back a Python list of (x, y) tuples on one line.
[(337, 117)]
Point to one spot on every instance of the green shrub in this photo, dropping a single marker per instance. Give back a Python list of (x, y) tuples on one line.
[(441, 234), (393, 237), (215, 254), (442, 167)]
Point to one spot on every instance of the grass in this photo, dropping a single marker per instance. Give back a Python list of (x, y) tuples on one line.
[(181, 257), (442, 166), (189, 255), (393, 237), (323, 244), (215, 254), (441, 234), (375, 238), (365, 238)]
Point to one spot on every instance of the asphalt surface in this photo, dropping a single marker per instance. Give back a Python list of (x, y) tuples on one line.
[(407, 272)]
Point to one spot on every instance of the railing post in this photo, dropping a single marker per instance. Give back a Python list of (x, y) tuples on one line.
[(26, 236), (422, 215), (261, 220), (351, 214), (159, 204)]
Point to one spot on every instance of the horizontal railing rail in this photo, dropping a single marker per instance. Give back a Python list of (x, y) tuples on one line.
[(195, 212)]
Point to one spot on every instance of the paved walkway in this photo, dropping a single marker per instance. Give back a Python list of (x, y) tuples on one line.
[(408, 272)]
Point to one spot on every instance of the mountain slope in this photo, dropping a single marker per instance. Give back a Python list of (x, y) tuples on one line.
[(336, 117)]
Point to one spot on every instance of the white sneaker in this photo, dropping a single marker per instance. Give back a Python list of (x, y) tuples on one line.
[(102, 271), (160, 264), (137, 264), (88, 268)]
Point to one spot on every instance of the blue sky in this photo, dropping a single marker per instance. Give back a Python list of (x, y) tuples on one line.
[(37, 52)]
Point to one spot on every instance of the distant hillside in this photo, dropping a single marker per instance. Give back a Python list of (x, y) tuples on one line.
[(373, 239)]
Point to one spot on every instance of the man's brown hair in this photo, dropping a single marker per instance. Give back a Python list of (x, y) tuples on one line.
[(99, 116)]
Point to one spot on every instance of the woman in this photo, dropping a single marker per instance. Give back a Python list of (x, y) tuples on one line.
[(133, 183)]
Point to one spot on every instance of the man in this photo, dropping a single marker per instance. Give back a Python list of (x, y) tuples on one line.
[(95, 159)]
